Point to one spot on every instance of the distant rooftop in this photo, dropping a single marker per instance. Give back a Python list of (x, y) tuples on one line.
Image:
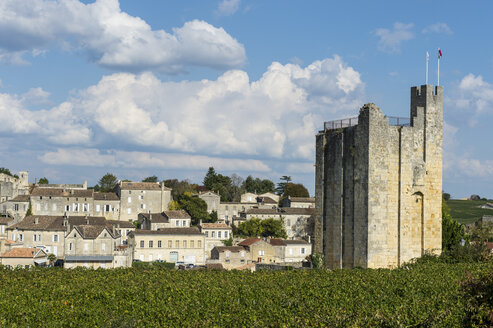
[(352, 121)]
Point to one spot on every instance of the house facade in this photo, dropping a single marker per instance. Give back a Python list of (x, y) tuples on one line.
[(168, 244), (231, 257), (214, 234), (164, 219), (142, 197)]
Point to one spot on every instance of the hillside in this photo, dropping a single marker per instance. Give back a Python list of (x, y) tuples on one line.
[(468, 211)]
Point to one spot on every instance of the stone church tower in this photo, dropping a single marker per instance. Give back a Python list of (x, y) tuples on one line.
[(378, 185)]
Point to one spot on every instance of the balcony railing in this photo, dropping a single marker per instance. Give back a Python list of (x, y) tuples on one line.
[(352, 121)]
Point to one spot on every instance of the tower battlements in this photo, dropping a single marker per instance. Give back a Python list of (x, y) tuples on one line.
[(378, 184)]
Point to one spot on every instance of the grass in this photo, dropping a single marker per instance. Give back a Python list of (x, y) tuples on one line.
[(468, 211)]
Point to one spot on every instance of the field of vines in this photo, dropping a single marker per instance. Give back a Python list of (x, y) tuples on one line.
[(430, 295)]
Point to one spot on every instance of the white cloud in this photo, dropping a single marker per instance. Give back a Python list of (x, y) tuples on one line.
[(58, 125), (438, 28), (474, 96), (112, 38), (275, 116), (35, 96), (136, 159), (390, 40), (228, 7)]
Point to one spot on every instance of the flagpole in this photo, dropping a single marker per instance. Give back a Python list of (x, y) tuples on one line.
[(438, 68), (427, 60)]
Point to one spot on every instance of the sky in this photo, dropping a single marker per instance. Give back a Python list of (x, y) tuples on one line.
[(169, 88)]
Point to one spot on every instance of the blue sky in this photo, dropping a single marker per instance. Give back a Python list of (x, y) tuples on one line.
[(169, 88)]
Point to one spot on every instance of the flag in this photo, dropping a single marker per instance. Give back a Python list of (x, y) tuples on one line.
[(439, 53)]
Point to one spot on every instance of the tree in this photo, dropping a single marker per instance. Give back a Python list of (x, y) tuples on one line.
[(210, 178), (195, 207), (5, 171), (295, 190), (273, 228), (256, 227), (452, 231), (228, 242), (43, 181), (258, 186), (282, 185), (446, 196), (218, 183), (52, 259), (29, 210), (151, 179), (108, 182), (179, 187)]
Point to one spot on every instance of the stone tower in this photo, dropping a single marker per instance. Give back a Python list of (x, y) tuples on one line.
[(378, 185)]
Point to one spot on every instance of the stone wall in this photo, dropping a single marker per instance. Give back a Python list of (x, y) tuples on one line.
[(378, 186)]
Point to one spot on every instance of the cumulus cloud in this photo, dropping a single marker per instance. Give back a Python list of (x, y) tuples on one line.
[(391, 39), (58, 124), (137, 159), (228, 7), (112, 38), (438, 28), (273, 117), (475, 97)]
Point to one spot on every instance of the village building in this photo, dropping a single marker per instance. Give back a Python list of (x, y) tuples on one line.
[(301, 202), (260, 250), (92, 246), (11, 186), (168, 244), (231, 257), (211, 199), (214, 234), (24, 257), (164, 219), (291, 251), (141, 197)]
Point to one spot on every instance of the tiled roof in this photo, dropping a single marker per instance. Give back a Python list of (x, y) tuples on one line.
[(106, 196), (215, 226), (277, 242), (268, 200), (57, 192), (302, 199), (20, 198), (248, 241), (155, 217), (180, 214), (297, 211), (262, 211), (55, 223), (121, 224), (141, 186), (92, 231), (169, 231), (5, 220), (299, 242), (23, 252), (232, 249)]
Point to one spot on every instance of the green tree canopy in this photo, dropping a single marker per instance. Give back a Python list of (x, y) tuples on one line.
[(258, 186), (7, 171), (282, 185), (256, 227), (295, 190), (107, 183), (43, 181), (179, 187), (452, 231), (151, 179), (220, 184), (196, 208)]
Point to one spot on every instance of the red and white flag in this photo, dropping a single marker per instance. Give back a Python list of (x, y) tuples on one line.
[(439, 53)]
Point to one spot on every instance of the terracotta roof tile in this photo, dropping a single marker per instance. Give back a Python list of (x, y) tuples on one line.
[(248, 241), (20, 198), (232, 249), (55, 223), (215, 226), (5, 220), (23, 252), (277, 242)]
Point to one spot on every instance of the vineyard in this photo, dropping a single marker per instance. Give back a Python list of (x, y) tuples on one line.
[(427, 295)]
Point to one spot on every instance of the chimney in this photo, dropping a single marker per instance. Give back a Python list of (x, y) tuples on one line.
[(71, 191), (85, 184), (114, 231), (309, 239), (200, 222), (87, 220), (36, 220)]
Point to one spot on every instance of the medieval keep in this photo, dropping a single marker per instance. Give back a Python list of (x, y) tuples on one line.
[(378, 185)]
